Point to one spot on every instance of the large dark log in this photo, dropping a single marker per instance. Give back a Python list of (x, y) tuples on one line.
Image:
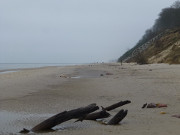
[(94, 116), (103, 113), (114, 106), (118, 117), (64, 116)]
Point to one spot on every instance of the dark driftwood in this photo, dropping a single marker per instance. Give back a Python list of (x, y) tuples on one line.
[(94, 116), (103, 113), (144, 105), (83, 113), (114, 106), (62, 117), (118, 117)]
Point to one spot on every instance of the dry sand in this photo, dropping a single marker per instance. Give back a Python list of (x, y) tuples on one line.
[(29, 96)]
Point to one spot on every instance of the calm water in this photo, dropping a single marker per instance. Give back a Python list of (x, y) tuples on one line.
[(9, 66)]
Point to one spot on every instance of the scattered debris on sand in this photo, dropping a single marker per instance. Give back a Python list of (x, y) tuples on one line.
[(154, 105)]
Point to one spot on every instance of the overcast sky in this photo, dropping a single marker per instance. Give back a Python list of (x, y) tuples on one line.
[(73, 31)]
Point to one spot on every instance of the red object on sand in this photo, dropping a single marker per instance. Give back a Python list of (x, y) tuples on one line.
[(109, 73), (153, 105), (161, 105)]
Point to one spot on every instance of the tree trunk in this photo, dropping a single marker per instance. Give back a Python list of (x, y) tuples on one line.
[(64, 116)]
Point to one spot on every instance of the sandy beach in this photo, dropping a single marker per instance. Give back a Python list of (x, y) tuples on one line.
[(30, 96)]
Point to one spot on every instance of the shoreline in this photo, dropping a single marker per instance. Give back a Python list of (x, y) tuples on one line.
[(30, 96), (21, 66)]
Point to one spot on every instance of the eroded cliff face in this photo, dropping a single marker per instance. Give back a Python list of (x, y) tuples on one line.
[(166, 49)]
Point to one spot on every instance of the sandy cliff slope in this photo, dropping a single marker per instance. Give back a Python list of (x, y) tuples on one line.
[(166, 49)]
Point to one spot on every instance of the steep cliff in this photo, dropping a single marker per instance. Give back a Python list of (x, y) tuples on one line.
[(166, 49)]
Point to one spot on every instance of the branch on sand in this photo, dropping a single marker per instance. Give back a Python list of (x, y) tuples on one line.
[(114, 106), (103, 113), (114, 121), (118, 117), (62, 117)]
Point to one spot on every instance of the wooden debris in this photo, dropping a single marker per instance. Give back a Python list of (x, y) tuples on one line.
[(118, 117), (94, 116), (114, 106), (144, 105), (62, 117), (83, 113)]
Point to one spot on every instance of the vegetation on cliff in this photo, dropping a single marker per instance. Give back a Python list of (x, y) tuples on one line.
[(169, 18)]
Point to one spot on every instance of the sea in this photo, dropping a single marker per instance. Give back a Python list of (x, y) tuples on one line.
[(10, 67)]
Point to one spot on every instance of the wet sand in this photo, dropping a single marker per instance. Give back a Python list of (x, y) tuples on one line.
[(29, 96)]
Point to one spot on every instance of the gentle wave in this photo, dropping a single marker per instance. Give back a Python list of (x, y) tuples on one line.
[(9, 66)]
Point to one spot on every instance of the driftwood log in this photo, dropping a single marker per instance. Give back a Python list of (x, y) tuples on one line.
[(83, 113), (94, 116), (103, 113), (114, 106), (62, 117), (118, 117)]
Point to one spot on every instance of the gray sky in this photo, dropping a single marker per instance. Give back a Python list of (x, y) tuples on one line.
[(73, 31)]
